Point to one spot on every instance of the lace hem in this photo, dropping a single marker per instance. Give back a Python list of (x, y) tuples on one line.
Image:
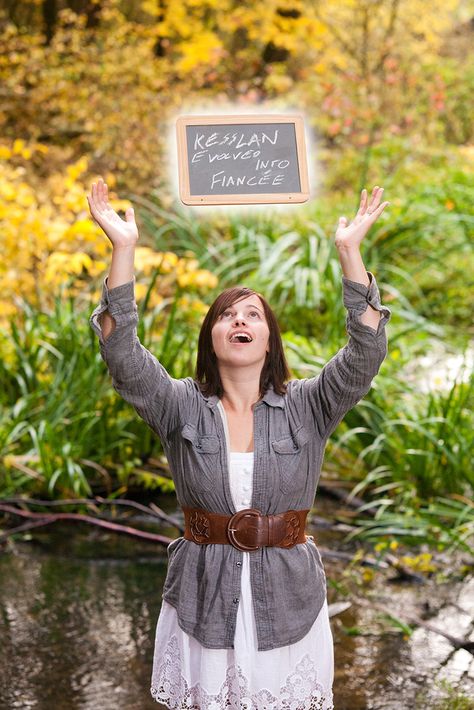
[(301, 691)]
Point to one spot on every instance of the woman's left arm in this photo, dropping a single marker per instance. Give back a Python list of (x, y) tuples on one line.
[(348, 239), (347, 376)]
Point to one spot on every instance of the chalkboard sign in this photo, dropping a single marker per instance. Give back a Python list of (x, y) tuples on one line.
[(228, 160)]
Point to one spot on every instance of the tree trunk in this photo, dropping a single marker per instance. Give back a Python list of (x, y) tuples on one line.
[(93, 14), (49, 9)]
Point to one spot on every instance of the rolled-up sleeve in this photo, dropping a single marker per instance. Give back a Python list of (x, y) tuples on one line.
[(136, 373), (347, 377)]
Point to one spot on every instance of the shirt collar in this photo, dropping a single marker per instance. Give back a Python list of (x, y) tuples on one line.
[(270, 397)]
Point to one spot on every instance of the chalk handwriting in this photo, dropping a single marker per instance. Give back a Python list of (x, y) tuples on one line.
[(223, 180), (254, 157), (228, 139)]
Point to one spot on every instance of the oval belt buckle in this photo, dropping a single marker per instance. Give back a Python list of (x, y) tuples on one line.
[(232, 528)]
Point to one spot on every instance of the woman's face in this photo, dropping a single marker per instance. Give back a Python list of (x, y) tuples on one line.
[(240, 336)]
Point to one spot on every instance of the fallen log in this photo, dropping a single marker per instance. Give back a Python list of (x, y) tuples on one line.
[(455, 641), (41, 519), (413, 620), (340, 495), (152, 510), (328, 554)]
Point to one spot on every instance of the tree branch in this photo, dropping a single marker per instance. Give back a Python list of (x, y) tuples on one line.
[(41, 519), (152, 510)]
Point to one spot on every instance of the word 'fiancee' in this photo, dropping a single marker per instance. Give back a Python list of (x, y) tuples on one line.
[(228, 180)]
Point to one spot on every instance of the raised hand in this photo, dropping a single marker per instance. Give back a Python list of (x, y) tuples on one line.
[(121, 232), (351, 235)]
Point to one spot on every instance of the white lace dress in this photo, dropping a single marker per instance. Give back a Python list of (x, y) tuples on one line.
[(295, 677)]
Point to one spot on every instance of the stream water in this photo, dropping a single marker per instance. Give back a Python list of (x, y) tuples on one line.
[(78, 610)]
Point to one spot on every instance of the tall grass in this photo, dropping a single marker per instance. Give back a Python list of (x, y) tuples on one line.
[(423, 439), (64, 431)]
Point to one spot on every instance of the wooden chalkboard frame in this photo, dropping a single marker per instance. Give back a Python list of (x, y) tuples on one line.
[(248, 198)]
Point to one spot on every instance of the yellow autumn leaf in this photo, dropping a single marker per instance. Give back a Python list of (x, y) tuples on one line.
[(18, 145), (78, 168), (142, 258), (81, 227), (184, 280), (368, 575), (203, 50), (79, 261), (140, 291)]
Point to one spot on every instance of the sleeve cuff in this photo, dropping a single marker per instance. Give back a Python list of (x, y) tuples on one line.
[(119, 297), (357, 296), (119, 301)]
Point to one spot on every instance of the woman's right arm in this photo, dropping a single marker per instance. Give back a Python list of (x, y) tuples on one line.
[(124, 237), (136, 373), (121, 272)]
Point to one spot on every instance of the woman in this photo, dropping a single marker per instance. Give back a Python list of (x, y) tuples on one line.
[(244, 620)]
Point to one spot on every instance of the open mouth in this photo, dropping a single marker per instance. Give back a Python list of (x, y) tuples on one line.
[(240, 338)]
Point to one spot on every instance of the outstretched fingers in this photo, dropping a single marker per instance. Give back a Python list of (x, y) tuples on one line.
[(363, 203), (91, 200), (378, 211), (101, 195), (98, 198), (105, 195), (372, 207), (377, 193)]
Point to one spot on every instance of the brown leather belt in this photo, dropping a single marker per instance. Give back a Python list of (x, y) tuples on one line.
[(246, 530)]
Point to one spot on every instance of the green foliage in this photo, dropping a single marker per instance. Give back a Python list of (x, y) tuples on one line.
[(444, 523), (60, 433), (427, 440), (399, 624)]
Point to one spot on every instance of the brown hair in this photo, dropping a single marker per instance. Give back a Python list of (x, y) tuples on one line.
[(275, 368)]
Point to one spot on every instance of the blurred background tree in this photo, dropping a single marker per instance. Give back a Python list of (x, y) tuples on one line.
[(101, 78)]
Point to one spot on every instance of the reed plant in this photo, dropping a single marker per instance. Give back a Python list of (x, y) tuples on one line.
[(64, 431)]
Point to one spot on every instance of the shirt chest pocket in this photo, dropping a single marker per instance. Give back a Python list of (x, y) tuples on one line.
[(291, 453), (203, 459)]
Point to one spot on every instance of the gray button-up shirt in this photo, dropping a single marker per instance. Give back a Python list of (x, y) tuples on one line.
[(290, 434)]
